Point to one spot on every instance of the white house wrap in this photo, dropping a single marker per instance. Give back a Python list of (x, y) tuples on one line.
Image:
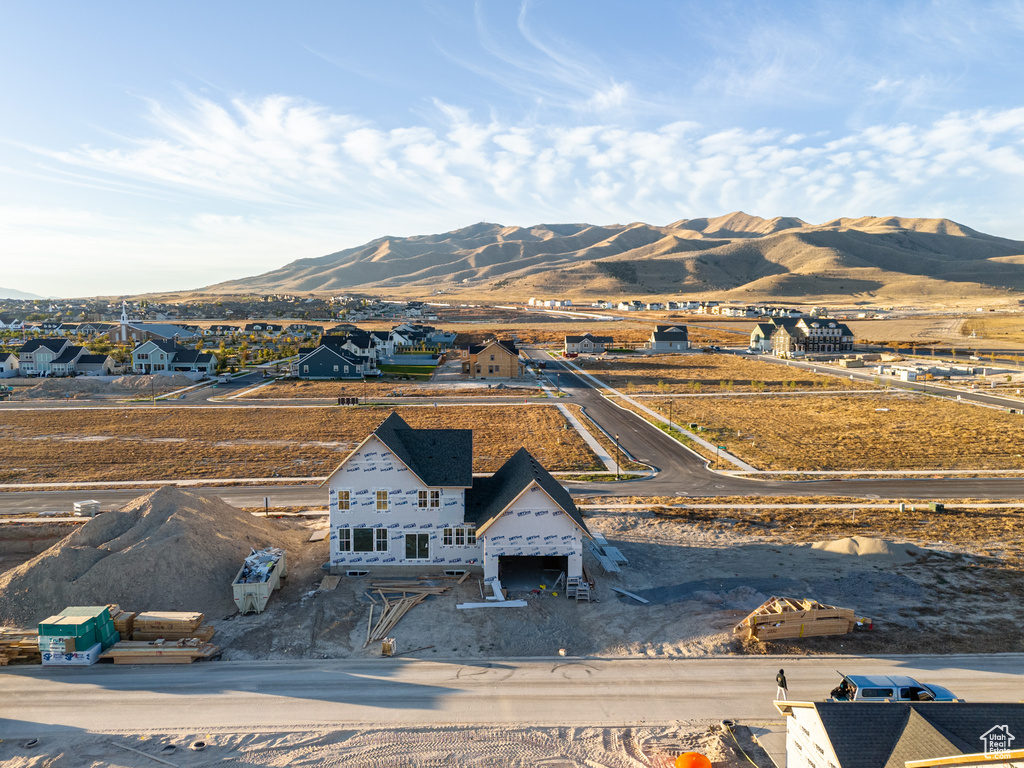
[(407, 497)]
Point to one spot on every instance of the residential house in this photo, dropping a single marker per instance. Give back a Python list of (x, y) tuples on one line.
[(155, 356), (407, 498), (264, 329), (11, 323), (306, 330), (330, 361), (221, 330), (496, 359), (586, 344), (95, 365), (95, 329), (49, 357), (898, 735), (810, 336), (8, 365), (669, 338)]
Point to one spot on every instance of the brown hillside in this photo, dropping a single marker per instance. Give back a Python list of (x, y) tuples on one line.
[(731, 256)]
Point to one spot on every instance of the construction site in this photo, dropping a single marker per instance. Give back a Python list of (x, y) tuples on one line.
[(185, 577)]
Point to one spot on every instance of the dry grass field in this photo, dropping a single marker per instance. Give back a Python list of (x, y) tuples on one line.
[(855, 432), (690, 373), (376, 390), (991, 329), (177, 443)]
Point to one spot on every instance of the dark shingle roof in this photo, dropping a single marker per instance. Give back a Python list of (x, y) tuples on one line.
[(869, 735), (92, 359), (595, 339), (54, 345), (490, 496), (68, 356), (442, 458)]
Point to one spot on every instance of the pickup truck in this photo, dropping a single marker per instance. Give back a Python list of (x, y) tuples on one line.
[(888, 688)]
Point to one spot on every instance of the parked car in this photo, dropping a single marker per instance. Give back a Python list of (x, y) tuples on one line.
[(888, 688)]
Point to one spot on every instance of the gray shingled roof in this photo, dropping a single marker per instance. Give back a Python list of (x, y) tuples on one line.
[(442, 458), (54, 345), (490, 496), (869, 735)]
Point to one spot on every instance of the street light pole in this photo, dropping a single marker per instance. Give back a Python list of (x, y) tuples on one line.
[(616, 457)]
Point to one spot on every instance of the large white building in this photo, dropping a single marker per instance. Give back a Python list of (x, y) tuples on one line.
[(407, 497)]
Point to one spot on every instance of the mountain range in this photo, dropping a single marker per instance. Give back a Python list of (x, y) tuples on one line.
[(736, 256), (10, 293)]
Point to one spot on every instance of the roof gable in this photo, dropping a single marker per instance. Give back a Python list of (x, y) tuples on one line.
[(491, 496)]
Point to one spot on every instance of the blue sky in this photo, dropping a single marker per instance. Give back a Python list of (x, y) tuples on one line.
[(153, 147)]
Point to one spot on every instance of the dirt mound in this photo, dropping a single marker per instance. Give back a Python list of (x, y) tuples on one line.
[(54, 388), (80, 386), (863, 546), (145, 383), (170, 550)]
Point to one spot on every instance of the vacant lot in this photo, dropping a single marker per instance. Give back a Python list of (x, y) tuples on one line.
[(173, 442), (329, 390), (993, 329), (855, 432), (705, 372)]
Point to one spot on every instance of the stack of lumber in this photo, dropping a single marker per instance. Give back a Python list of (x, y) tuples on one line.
[(395, 598), (779, 618), (124, 621), (171, 625), (160, 652), (19, 645)]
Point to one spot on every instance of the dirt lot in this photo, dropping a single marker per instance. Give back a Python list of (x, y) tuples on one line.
[(702, 571), (855, 432), (705, 372), (378, 390), (141, 443), (410, 747)]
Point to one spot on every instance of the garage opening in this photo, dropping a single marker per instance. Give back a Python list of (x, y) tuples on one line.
[(524, 572)]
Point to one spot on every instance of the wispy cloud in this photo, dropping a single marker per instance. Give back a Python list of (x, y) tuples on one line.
[(326, 180)]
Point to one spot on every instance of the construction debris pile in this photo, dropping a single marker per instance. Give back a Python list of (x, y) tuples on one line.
[(260, 574), (171, 550), (259, 565), (779, 618), (396, 598)]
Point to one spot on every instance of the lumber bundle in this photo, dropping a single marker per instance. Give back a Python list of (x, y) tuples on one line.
[(779, 618), (124, 621), (160, 652), (19, 645), (171, 625), (396, 598)]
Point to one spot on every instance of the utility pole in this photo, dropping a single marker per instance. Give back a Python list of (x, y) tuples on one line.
[(616, 457)]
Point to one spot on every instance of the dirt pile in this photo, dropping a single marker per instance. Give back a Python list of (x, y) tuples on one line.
[(82, 386), (170, 550), (863, 546), (144, 383)]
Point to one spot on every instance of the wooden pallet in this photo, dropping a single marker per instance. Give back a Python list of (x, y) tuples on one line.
[(159, 652), (786, 617)]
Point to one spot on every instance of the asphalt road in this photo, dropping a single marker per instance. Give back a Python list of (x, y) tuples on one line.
[(682, 472), (274, 695)]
